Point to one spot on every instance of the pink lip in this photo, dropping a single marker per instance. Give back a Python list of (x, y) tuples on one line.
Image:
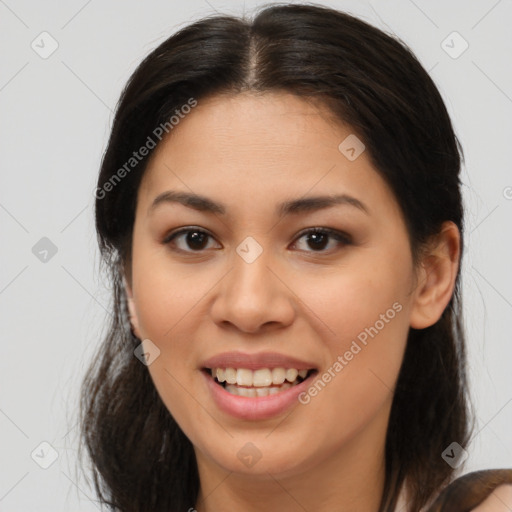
[(257, 408), (255, 361)]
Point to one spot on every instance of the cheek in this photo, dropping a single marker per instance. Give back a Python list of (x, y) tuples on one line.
[(165, 294), (359, 376), (168, 305), (365, 310), (352, 301)]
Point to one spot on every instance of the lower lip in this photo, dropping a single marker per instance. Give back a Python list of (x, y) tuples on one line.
[(254, 408)]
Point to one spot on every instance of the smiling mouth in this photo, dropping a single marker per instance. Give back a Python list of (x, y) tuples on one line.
[(258, 383)]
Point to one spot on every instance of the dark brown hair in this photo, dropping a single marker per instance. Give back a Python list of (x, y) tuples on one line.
[(141, 459), (469, 491)]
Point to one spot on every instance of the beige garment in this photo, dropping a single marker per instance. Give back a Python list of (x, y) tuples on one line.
[(401, 504)]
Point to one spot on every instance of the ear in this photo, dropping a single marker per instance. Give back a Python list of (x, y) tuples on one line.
[(436, 277), (134, 320)]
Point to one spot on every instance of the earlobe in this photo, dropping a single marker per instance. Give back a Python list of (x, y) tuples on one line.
[(437, 275), (134, 321)]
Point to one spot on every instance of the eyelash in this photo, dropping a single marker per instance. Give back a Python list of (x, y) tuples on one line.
[(342, 238)]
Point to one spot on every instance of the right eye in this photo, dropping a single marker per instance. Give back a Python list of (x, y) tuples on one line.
[(190, 240)]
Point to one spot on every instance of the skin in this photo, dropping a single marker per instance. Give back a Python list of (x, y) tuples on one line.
[(252, 152), (500, 500)]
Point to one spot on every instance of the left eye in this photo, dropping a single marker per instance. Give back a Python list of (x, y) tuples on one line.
[(196, 240), (318, 239)]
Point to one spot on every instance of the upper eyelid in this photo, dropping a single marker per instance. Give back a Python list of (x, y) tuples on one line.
[(185, 230)]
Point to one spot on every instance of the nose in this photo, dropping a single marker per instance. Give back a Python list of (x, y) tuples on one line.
[(254, 297)]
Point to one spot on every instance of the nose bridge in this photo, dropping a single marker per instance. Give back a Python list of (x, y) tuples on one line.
[(251, 268), (251, 295)]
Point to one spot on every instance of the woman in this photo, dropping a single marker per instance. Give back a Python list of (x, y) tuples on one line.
[(279, 208)]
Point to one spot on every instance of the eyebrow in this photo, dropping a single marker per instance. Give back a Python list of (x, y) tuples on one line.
[(296, 206)]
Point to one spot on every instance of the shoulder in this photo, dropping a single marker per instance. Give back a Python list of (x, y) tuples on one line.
[(500, 500), (481, 491)]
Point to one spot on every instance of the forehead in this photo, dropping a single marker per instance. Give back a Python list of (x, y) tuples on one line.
[(264, 125), (260, 148)]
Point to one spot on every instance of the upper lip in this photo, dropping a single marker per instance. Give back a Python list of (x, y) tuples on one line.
[(256, 361)]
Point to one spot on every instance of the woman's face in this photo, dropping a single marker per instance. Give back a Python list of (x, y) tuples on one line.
[(249, 291)]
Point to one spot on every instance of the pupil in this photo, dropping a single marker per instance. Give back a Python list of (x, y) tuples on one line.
[(319, 240), (196, 240)]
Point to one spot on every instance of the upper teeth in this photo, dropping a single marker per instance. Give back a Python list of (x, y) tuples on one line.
[(258, 378)]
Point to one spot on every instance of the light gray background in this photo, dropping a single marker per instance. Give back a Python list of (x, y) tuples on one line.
[(55, 119)]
